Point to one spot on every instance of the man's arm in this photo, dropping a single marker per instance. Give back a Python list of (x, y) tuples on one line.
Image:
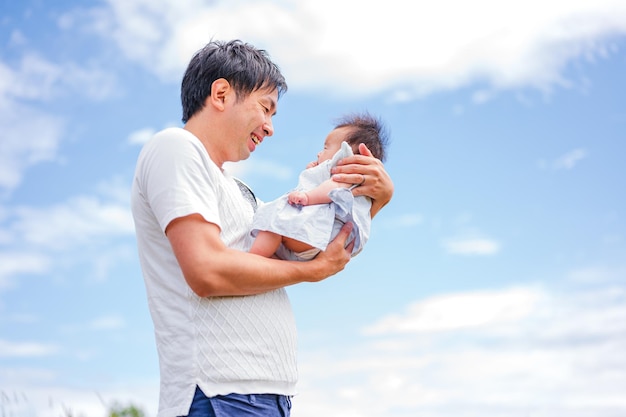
[(212, 269), (377, 185)]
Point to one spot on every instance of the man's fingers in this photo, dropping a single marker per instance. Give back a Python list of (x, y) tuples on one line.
[(350, 246), (364, 150), (344, 233)]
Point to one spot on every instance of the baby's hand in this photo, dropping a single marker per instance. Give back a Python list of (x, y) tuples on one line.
[(298, 198), (311, 164)]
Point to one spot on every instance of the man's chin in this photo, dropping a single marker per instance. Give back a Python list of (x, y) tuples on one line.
[(246, 155)]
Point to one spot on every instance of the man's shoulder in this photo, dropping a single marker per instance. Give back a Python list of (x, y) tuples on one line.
[(171, 142), (172, 134)]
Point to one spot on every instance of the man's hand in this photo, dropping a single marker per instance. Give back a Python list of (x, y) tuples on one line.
[(337, 253), (370, 173)]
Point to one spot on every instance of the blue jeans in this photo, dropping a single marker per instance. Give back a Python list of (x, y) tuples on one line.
[(239, 405)]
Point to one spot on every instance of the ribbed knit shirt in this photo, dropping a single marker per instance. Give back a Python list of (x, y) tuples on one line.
[(244, 345)]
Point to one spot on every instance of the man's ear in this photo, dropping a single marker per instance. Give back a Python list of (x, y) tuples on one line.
[(220, 92)]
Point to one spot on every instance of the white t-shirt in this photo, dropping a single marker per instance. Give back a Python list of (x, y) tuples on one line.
[(244, 345)]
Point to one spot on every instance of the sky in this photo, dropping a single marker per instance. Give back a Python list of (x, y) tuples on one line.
[(493, 283)]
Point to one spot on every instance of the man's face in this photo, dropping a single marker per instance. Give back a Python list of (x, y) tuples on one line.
[(251, 121)]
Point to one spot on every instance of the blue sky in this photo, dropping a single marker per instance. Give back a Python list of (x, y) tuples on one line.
[(494, 283)]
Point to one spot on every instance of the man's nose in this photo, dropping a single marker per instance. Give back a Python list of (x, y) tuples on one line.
[(268, 128)]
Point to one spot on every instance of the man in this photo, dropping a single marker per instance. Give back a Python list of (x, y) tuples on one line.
[(225, 332)]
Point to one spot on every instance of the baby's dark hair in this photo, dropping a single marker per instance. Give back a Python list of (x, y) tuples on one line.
[(368, 130)]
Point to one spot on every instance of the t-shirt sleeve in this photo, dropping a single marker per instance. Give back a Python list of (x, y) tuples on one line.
[(177, 178)]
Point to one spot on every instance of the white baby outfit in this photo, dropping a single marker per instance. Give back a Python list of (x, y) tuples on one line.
[(316, 224)]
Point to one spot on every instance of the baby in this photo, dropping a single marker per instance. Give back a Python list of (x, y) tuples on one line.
[(300, 224)]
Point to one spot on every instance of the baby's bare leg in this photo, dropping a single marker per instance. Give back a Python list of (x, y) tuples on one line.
[(266, 243), (296, 245)]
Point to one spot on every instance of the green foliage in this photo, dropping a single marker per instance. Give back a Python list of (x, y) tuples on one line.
[(117, 410), (14, 404)]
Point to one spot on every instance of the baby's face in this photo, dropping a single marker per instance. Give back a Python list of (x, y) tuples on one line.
[(332, 144)]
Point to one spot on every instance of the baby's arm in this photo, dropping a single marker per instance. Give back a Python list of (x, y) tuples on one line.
[(318, 195)]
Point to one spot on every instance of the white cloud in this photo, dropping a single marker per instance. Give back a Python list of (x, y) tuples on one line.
[(78, 221), (471, 246), (458, 311), (570, 159), (110, 322), (36, 78), (482, 96), (17, 39), (260, 167), (403, 221), (39, 240), (17, 263), (597, 275), (20, 318), (156, 28), (10, 349), (141, 136), (555, 353), (415, 48), (36, 392), (29, 136), (518, 352)]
